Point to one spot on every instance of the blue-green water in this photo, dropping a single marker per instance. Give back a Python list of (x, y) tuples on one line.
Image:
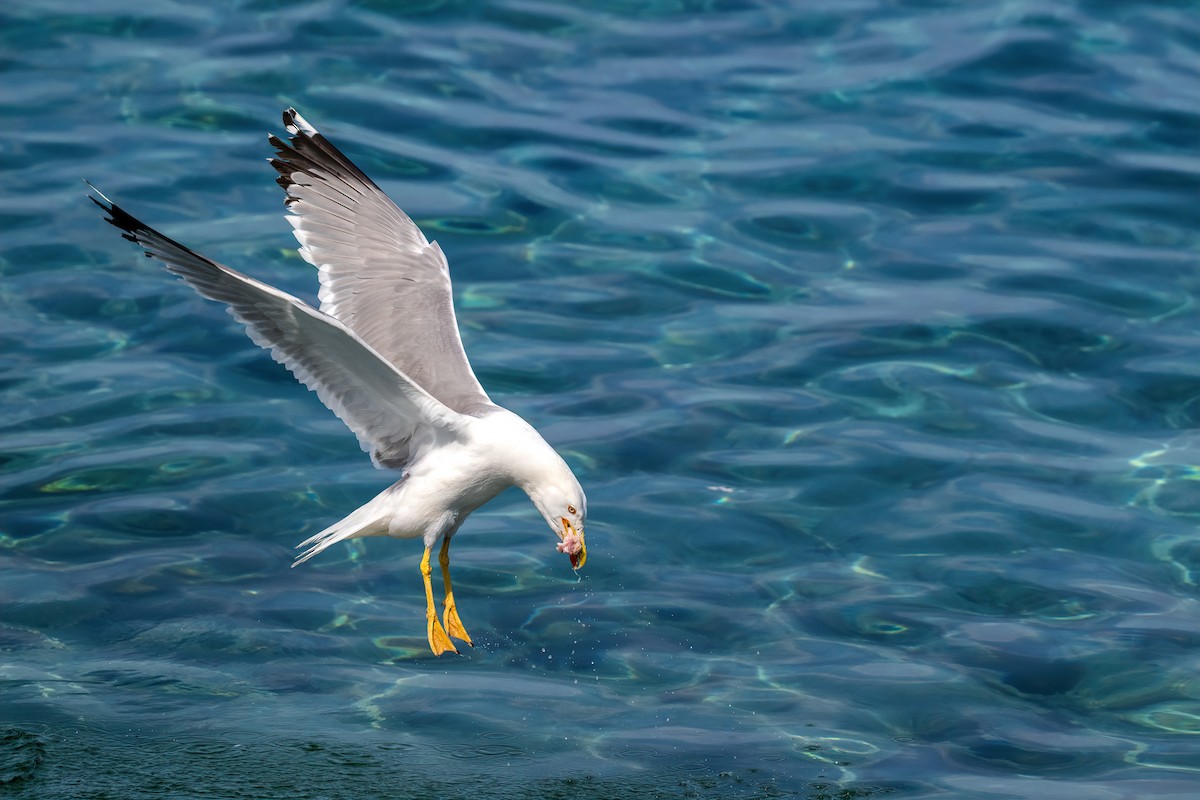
[(870, 329)]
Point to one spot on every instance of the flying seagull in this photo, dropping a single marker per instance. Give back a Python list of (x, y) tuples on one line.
[(383, 353)]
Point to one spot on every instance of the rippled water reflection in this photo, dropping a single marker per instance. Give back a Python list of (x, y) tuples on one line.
[(869, 328)]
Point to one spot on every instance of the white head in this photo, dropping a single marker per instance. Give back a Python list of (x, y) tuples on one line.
[(545, 477), (560, 499)]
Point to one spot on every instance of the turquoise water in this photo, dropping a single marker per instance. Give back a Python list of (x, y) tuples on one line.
[(870, 329)]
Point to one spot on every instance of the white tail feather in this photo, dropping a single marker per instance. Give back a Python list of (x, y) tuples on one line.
[(369, 520), (327, 538)]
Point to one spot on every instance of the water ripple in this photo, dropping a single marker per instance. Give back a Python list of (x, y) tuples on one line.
[(869, 327)]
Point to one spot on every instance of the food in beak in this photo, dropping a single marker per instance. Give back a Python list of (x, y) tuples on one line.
[(572, 545)]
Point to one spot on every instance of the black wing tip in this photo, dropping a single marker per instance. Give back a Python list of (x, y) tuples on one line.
[(99, 198), (308, 152), (297, 126), (289, 157), (285, 170), (130, 226), (117, 216)]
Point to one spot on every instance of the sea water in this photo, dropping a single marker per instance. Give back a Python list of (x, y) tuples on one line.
[(870, 329)]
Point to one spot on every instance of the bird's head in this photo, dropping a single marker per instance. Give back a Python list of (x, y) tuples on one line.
[(560, 499)]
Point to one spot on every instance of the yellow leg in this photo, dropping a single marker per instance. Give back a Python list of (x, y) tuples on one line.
[(439, 642), (454, 625)]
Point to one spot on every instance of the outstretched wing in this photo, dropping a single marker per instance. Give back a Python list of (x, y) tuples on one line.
[(379, 274), (383, 407)]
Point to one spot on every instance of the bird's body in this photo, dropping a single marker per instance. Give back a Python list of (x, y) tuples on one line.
[(436, 494), (383, 353)]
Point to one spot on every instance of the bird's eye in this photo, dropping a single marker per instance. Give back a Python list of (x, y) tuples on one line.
[(570, 509)]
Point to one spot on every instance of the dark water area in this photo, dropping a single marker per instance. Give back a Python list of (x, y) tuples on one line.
[(869, 328)]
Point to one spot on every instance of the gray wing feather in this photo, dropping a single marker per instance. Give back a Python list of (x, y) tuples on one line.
[(383, 407), (379, 274)]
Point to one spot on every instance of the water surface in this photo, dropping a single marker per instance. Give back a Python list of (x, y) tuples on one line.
[(870, 329)]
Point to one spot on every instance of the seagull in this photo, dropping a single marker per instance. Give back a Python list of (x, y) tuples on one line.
[(383, 353)]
